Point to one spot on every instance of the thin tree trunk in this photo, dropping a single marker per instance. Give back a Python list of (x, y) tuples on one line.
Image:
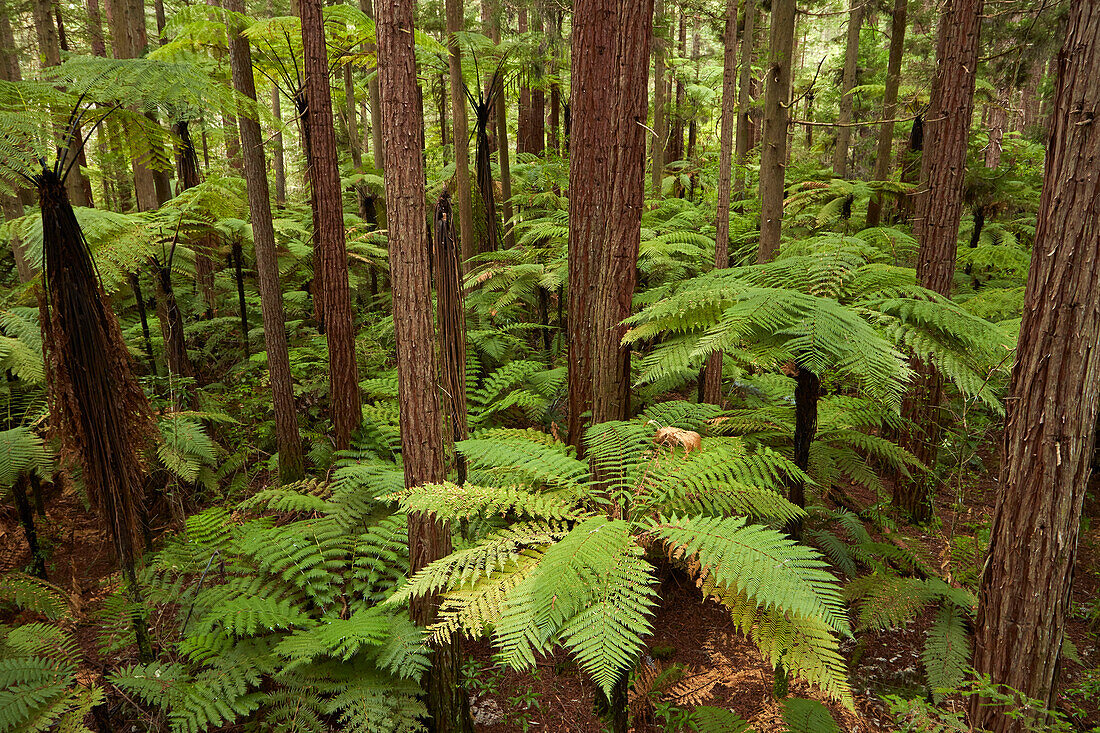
[(807, 392), (267, 268), (238, 271), (139, 299), (998, 121), (500, 110), (851, 62), (889, 107), (171, 330), (447, 266), (278, 152), (743, 141), (523, 130), (11, 205), (773, 154), (943, 174), (712, 380), (660, 103), (367, 6), (421, 426), (675, 149), (345, 405), (349, 119), (187, 172), (26, 518), (463, 192), (1024, 594)]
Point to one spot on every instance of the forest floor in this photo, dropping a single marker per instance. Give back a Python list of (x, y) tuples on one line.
[(694, 641)]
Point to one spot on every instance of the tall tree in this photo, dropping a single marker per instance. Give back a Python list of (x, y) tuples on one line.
[(660, 101), (712, 380), (936, 226), (1049, 436), (367, 6), (491, 25), (278, 153), (421, 426), (455, 24), (592, 157), (267, 266), (773, 153), (11, 204), (851, 62), (618, 272), (346, 408), (889, 106), (743, 141)]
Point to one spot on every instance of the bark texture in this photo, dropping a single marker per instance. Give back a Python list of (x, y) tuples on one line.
[(773, 153), (743, 140), (712, 379), (1025, 588), (936, 226), (421, 426), (851, 60), (889, 106), (267, 267), (461, 132), (346, 408)]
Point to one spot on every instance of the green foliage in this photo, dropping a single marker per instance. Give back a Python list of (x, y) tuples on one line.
[(807, 716), (548, 567)]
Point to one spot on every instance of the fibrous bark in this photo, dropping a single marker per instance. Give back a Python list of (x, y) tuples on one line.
[(1024, 595), (773, 153)]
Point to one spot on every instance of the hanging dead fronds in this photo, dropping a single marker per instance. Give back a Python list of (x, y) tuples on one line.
[(96, 404)]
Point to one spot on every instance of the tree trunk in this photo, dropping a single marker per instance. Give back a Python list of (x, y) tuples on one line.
[(594, 77), (675, 149), (939, 209), (743, 140), (524, 121), (807, 392), (238, 272), (1024, 594), (278, 154), (267, 267), (95, 29), (619, 271), (773, 153), (998, 121), (421, 428), (889, 107), (463, 192), (171, 330), (712, 380), (537, 142), (349, 119), (347, 412), (26, 518), (660, 103), (447, 266), (492, 29), (187, 172), (851, 64)]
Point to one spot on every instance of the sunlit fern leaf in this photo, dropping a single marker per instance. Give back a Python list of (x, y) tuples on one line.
[(708, 719)]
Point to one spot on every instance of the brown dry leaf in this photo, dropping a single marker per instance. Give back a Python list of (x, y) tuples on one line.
[(688, 439)]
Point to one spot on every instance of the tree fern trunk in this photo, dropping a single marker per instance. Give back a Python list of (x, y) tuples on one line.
[(238, 271), (452, 326), (807, 392), (26, 518), (139, 299)]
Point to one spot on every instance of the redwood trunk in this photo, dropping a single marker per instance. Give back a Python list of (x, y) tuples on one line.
[(267, 267), (743, 141), (421, 426), (1025, 588), (461, 132), (773, 153), (844, 121), (619, 271), (939, 209), (889, 107), (347, 412), (660, 103), (712, 379), (594, 77)]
